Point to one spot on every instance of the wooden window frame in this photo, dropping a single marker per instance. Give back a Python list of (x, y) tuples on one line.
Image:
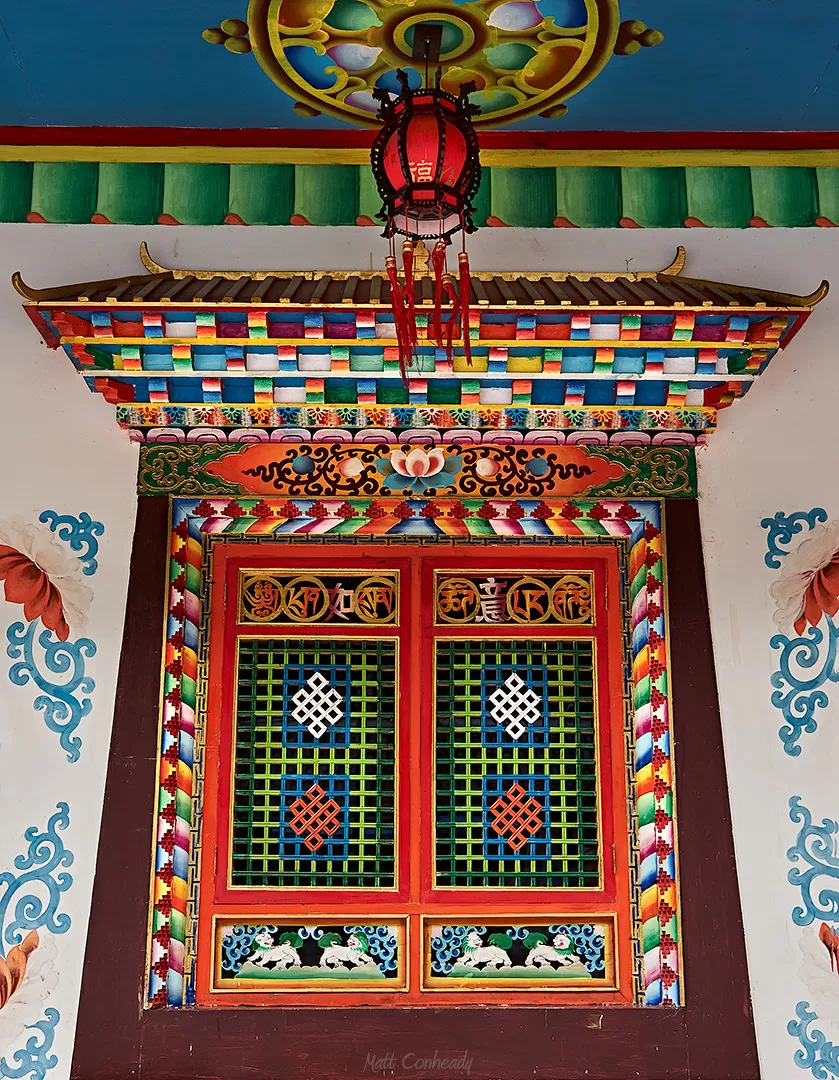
[(413, 900), (710, 1038)]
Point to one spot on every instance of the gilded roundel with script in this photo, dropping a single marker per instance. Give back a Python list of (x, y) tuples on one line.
[(524, 56)]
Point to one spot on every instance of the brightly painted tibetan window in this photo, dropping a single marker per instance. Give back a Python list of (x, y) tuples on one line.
[(420, 777)]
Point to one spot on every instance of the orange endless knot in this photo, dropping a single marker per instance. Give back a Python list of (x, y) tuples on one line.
[(313, 815), (517, 816)]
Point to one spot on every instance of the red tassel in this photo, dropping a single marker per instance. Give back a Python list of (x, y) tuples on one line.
[(438, 262), (398, 306), (410, 304), (465, 298), (453, 325)]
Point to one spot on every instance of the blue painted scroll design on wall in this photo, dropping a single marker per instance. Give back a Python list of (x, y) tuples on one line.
[(782, 527), (30, 898), (807, 656), (817, 877), (35, 887), (34, 1060), (41, 574), (61, 699), (80, 532), (816, 852), (798, 690), (816, 1053)]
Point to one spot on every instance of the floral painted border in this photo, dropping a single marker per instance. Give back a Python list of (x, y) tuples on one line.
[(41, 574), (806, 593), (30, 899), (418, 519), (42, 567), (815, 855)]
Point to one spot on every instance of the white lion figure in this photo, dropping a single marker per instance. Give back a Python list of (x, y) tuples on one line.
[(541, 954), (354, 952), (281, 955), (491, 956)]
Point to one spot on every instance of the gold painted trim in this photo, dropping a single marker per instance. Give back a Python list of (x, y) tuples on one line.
[(294, 574), (64, 295), (155, 267), (527, 890), (496, 157), (329, 892), (436, 984), (253, 986), (470, 575), (49, 300)]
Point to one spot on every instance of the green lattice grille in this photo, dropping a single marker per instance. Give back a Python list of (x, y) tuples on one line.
[(277, 761), (554, 761)]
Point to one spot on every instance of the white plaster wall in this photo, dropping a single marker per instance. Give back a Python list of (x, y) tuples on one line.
[(775, 450), (59, 450)]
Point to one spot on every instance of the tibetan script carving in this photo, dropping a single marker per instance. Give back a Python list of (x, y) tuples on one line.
[(544, 597), (292, 596)]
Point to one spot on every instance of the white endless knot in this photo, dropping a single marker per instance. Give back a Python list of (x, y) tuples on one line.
[(514, 705), (317, 704)]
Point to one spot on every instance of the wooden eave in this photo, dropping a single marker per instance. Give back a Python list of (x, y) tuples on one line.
[(316, 290)]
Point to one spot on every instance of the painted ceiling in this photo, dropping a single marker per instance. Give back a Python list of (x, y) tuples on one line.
[(759, 65)]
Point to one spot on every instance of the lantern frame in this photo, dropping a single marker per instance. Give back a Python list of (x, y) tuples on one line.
[(449, 206)]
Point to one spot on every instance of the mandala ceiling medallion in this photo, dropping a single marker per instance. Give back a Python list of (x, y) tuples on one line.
[(524, 56)]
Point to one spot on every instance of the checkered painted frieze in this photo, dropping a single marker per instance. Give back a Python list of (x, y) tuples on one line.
[(640, 351)]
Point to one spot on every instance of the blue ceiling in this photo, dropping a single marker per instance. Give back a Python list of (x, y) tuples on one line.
[(758, 65)]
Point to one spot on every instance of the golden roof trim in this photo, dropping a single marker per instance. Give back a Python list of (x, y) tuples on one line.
[(80, 292), (155, 267)]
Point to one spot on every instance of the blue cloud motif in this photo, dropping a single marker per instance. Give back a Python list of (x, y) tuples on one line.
[(62, 700), (30, 897), (782, 527), (34, 1059), (817, 1054), (35, 887), (80, 533)]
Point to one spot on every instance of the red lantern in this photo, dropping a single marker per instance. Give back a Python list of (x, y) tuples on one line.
[(426, 166), (425, 161)]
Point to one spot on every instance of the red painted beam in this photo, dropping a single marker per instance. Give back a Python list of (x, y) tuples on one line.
[(359, 137)]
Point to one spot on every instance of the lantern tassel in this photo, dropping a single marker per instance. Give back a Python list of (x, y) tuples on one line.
[(438, 262), (465, 298), (409, 300), (396, 302), (453, 325)]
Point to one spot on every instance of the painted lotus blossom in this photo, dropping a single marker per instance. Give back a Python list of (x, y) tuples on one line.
[(13, 967), (808, 587), (43, 575), (418, 469), (818, 974), (27, 978)]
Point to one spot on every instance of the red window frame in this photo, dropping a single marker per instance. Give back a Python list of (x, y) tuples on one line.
[(415, 897)]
